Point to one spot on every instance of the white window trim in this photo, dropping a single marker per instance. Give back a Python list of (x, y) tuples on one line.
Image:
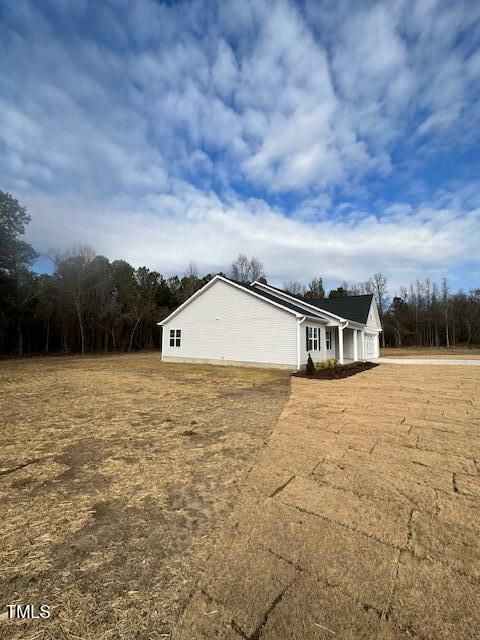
[(175, 336), (313, 338), (328, 339)]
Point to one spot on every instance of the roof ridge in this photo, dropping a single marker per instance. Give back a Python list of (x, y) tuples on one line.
[(356, 295), (302, 298)]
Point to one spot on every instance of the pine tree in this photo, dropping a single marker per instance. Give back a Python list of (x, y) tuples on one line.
[(310, 366)]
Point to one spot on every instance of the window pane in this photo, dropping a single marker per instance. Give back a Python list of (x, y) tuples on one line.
[(172, 333), (179, 333), (178, 342), (172, 342)]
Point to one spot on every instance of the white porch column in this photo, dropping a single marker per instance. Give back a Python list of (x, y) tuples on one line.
[(355, 345), (362, 340), (299, 322), (340, 344)]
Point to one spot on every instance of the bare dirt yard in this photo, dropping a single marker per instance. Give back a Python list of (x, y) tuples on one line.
[(360, 520), (114, 474), (461, 353)]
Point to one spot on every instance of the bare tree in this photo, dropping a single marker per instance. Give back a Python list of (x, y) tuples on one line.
[(190, 282), (256, 269), (191, 271), (46, 302), (445, 308), (378, 285), (240, 269), (294, 287), (245, 270), (72, 270)]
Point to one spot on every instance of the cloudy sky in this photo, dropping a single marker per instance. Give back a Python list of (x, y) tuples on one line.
[(326, 138)]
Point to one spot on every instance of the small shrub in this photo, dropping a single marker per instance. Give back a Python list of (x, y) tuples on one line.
[(326, 364), (310, 369)]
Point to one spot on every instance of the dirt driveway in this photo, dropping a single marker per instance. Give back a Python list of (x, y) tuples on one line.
[(360, 519), (454, 353), (114, 474)]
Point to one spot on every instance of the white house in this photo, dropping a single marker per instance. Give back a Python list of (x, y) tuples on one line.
[(226, 322)]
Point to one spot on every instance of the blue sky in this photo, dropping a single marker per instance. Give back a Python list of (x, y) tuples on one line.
[(325, 138)]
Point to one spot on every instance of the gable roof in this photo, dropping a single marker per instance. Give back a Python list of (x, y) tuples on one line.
[(270, 299), (260, 286), (355, 308)]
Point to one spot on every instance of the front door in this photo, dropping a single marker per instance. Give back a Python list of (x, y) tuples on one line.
[(329, 344)]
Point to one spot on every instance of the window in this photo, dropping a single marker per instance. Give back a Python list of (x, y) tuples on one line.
[(175, 337), (328, 339), (313, 339)]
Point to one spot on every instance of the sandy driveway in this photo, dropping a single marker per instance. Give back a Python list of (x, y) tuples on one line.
[(430, 361), (360, 518), (444, 353)]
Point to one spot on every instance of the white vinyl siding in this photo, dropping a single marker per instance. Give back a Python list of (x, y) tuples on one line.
[(348, 337), (371, 346), (373, 320), (372, 329), (317, 355), (226, 324)]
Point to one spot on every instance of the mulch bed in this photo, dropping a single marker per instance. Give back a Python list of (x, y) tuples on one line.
[(341, 371)]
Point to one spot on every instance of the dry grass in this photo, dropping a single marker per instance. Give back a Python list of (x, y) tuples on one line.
[(360, 520), (114, 474), (461, 353)]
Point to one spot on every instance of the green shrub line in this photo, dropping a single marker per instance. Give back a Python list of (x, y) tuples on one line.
[(326, 364), (312, 367)]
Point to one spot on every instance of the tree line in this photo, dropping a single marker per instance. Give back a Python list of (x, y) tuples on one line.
[(90, 304), (425, 314)]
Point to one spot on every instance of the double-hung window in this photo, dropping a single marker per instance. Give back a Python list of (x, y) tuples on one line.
[(175, 337), (313, 338), (328, 339)]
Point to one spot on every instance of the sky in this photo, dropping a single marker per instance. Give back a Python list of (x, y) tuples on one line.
[(326, 138)]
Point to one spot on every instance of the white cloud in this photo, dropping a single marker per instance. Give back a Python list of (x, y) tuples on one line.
[(167, 231), (121, 118)]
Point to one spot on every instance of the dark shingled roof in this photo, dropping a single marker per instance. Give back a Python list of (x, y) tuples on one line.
[(353, 308)]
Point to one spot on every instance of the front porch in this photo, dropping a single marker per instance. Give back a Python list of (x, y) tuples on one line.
[(342, 342), (349, 344)]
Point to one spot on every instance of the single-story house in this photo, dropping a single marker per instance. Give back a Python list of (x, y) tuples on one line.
[(227, 322)]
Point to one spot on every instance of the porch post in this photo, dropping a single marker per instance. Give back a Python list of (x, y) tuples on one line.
[(362, 339), (340, 344), (355, 345)]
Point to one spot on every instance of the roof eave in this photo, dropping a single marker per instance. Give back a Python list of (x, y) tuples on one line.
[(312, 306)]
